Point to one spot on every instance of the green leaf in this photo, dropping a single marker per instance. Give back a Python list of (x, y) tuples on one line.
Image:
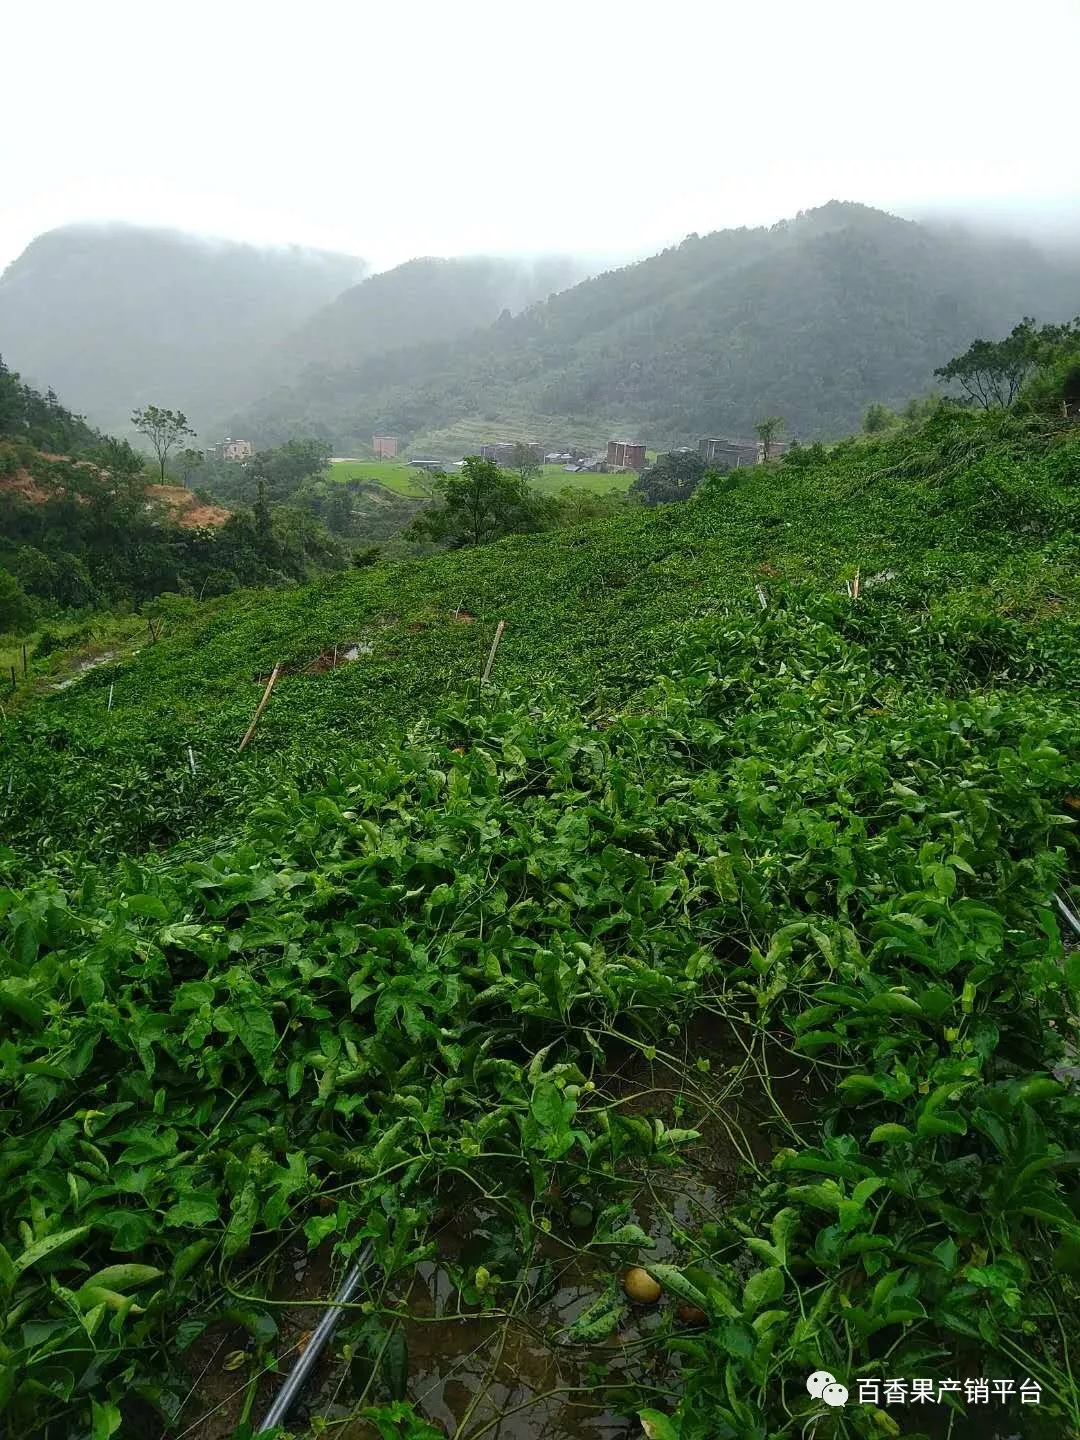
[(8, 1273), (15, 997), (105, 1419), (189, 1257), (255, 1031), (675, 1281), (629, 1235), (657, 1425), (892, 1002), (146, 905), (889, 1135), (941, 1122), (865, 1188), (946, 1254), (123, 1277), (395, 1364), (197, 1208), (762, 1289), (38, 1251)]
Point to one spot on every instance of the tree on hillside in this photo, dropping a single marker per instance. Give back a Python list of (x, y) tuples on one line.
[(480, 504), (879, 417), (767, 431), (289, 465), (117, 458), (188, 461), (165, 429), (674, 476), (524, 463), (992, 372), (16, 609)]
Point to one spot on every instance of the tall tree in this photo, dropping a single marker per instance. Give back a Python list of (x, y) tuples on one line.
[(991, 372), (767, 431), (165, 429), (674, 476), (523, 462), (189, 461), (480, 504)]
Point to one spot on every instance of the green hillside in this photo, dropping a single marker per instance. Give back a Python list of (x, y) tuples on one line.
[(812, 319), (715, 935)]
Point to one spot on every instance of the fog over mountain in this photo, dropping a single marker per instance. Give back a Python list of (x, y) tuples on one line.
[(812, 319), (118, 316)]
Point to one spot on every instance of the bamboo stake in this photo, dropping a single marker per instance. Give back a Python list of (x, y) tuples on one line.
[(261, 707), (494, 647), (191, 759), (763, 599), (855, 591), (111, 684)]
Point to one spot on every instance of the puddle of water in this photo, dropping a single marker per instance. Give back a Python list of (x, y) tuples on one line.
[(521, 1377), (84, 667)]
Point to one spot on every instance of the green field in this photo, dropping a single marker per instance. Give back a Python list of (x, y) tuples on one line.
[(394, 475), (555, 479), (403, 479)]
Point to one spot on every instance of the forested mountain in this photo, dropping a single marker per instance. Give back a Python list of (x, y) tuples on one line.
[(118, 316), (812, 319), (422, 302)]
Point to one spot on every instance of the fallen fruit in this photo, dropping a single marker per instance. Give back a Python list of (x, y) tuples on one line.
[(641, 1287), (692, 1314)]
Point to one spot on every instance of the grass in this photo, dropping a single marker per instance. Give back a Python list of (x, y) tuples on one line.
[(394, 475), (403, 479), (554, 479)]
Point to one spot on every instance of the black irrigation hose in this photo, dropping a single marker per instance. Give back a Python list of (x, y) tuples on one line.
[(300, 1372), (298, 1375)]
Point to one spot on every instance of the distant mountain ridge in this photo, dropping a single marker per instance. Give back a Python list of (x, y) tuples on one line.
[(812, 319), (118, 316), (424, 301)]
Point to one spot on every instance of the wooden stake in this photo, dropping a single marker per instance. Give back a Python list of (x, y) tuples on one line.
[(855, 590), (13, 679), (762, 597), (261, 707), (494, 647), (110, 694), (191, 759)]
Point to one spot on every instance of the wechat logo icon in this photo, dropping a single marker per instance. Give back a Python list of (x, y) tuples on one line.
[(823, 1386)]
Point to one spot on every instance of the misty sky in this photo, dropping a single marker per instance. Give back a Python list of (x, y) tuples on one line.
[(394, 128)]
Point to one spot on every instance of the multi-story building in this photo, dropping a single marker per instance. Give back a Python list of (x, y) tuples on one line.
[(725, 454), (232, 450), (625, 455)]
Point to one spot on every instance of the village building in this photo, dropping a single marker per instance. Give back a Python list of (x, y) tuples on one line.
[(230, 449), (384, 446), (507, 452), (625, 455), (725, 454)]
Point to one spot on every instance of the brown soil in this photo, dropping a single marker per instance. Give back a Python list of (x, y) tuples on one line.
[(183, 507), (187, 511)]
